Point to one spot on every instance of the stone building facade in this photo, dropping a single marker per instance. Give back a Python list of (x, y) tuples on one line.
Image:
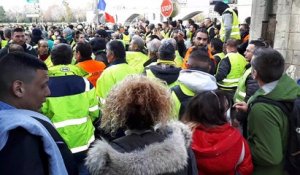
[(278, 21)]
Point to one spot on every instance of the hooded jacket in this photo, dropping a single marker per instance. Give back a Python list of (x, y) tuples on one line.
[(192, 82), (218, 151), (143, 159), (164, 70)]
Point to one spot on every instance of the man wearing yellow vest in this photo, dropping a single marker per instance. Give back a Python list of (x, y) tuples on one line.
[(231, 68), (247, 86), (165, 68), (72, 106), (229, 23), (136, 57)]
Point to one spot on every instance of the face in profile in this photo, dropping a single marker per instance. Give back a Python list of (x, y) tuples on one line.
[(36, 91)]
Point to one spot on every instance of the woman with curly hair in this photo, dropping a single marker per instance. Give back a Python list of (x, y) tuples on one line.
[(219, 148), (143, 107)]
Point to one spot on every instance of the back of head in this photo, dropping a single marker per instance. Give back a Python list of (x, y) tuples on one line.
[(166, 51), (7, 33), (217, 44), (207, 108), (15, 48), (61, 54), (139, 42), (138, 103), (268, 63), (153, 45), (117, 48), (98, 44), (220, 7), (17, 66), (199, 60), (85, 50), (231, 43)]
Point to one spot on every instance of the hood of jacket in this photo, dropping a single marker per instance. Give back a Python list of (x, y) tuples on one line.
[(197, 81), (153, 159), (209, 142), (165, 72)]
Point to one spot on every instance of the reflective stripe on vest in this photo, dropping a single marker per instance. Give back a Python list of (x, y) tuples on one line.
[(240, 93), (84, 147), (238, 63), (235, 31), (70, 122)]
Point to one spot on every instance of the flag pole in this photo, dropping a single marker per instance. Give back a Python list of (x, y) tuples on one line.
[(96, 12)]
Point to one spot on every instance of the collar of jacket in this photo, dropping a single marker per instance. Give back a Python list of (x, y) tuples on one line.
[(153, 159)]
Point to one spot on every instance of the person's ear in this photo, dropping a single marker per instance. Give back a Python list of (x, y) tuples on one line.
[(254, 74), (18, 88)]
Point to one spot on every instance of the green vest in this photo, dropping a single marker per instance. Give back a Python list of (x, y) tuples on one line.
[(240, 93), (3, 43), (136, 60), (110, 77), (238, 63), (72, 121), (177, 103), (126, 39), (178, 59), (235, 30), (221, 55)]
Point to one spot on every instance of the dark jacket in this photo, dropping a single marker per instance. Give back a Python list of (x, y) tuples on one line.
[(146, 153), (27, 48), (165, 72)]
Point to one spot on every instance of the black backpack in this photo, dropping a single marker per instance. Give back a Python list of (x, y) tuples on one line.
[(183, 98), (292, 109)]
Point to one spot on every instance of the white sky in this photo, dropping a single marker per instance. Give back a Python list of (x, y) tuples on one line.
[(13, 4)]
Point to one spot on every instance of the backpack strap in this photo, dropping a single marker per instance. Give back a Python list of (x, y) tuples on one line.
[(285, 106)]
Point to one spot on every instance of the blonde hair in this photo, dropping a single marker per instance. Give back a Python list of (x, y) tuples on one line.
[(137, 102)]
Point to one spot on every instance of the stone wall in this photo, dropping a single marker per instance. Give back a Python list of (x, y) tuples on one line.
[(287, 29)]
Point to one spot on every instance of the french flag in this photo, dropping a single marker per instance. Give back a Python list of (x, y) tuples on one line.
[(101, 5)]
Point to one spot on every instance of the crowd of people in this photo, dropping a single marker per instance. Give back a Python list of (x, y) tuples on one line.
[(142, 99)]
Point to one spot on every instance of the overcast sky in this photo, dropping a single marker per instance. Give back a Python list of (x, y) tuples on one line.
[(12, 4)]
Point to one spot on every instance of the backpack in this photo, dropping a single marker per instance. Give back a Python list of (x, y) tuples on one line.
[(183, 98), (292, 111)]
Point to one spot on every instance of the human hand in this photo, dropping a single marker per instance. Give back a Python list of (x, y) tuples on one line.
[(241, 106)]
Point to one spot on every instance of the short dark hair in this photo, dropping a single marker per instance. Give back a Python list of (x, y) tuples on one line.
[(61, 54), (268, 63), (85, 50), (232, 43), (201, 56), (18, 66), (202, 30), (18, 29), (98, 44), (207, 108), (166, 51), (203, 61), (217, 44), (117, 48), (259, 43)]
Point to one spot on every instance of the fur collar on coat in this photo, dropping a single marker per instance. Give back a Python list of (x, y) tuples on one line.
[(168, 156)]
